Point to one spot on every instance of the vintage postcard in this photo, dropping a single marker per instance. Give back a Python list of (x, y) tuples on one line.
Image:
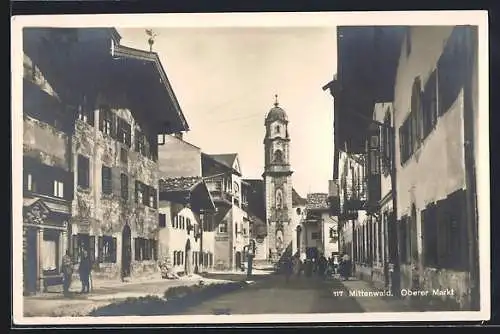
[(250, 168)]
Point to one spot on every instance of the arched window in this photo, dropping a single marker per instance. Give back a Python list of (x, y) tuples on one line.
[(278, 156), (277, 129)]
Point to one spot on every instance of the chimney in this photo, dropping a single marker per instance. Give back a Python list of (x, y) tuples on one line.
[(178, 135)]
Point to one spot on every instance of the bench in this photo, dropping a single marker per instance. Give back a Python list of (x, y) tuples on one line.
[(52, 280)]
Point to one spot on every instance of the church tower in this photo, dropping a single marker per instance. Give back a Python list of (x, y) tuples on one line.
[(278, 183)]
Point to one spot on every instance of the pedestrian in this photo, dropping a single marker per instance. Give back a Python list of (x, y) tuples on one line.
[(322, 263), (67, 271), (85, 270), (346, 259)]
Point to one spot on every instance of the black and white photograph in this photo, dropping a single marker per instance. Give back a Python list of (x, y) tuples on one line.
[(249, 168)]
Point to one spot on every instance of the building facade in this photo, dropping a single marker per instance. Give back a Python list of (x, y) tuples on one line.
[(112, 151), (222, 175), (278, 184), (418, 121), (433, 99), (47, 179), (185, 236)]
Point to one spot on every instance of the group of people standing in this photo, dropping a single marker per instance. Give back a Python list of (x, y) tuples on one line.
[(318, 266), (84, 271)]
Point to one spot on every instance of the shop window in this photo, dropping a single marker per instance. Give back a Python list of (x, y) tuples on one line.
[(50, 251), (107, 186), (106, 249), (58, 189), (83, 172)]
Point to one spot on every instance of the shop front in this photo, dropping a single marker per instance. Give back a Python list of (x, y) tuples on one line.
[(44, 243)]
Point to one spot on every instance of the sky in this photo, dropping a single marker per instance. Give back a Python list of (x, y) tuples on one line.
[(225, 80)]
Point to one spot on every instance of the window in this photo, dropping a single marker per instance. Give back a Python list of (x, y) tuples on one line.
[(145, 249), (278, 156), (123, 155), (451, 69), (314, 235), (139, 192), (106, 249), (58, 189), (278, 129), (430, 104), (333, 233), (444, 232), (416, 112), (50, 250), (29, 182), (106, 121), (85, 112), (124, 131), (152, 197), (162, 220), (175, 222), (124, 186), (107, 185), (430, 236), (223, 227), (83, 171), (236, 229), (188, 225)]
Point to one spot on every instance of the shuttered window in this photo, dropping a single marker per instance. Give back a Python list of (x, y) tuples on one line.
[(83, 172), (162, 220), (146, 249), (107, 186), (430, 104), (106, 249), (124, 186)]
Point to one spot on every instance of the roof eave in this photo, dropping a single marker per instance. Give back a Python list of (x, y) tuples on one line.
[(123, 51)]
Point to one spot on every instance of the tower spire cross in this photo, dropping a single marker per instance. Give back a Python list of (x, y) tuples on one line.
[(276, 103)]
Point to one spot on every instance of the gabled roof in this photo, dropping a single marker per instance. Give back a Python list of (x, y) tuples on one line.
[(179, 184), (227, 160), (317, 201), (297, 199)]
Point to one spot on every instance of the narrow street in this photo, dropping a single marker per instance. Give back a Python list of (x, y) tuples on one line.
[(299, 295)]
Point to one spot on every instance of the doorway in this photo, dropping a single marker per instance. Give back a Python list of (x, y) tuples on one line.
[(187, 258), (30, 261), (126, 251)]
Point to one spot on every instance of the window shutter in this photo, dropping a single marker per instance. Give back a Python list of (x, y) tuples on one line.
[(113, 251), (100, 249), (116, 186)]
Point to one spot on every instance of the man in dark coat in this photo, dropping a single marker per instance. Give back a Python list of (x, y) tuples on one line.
[(84, 271)]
